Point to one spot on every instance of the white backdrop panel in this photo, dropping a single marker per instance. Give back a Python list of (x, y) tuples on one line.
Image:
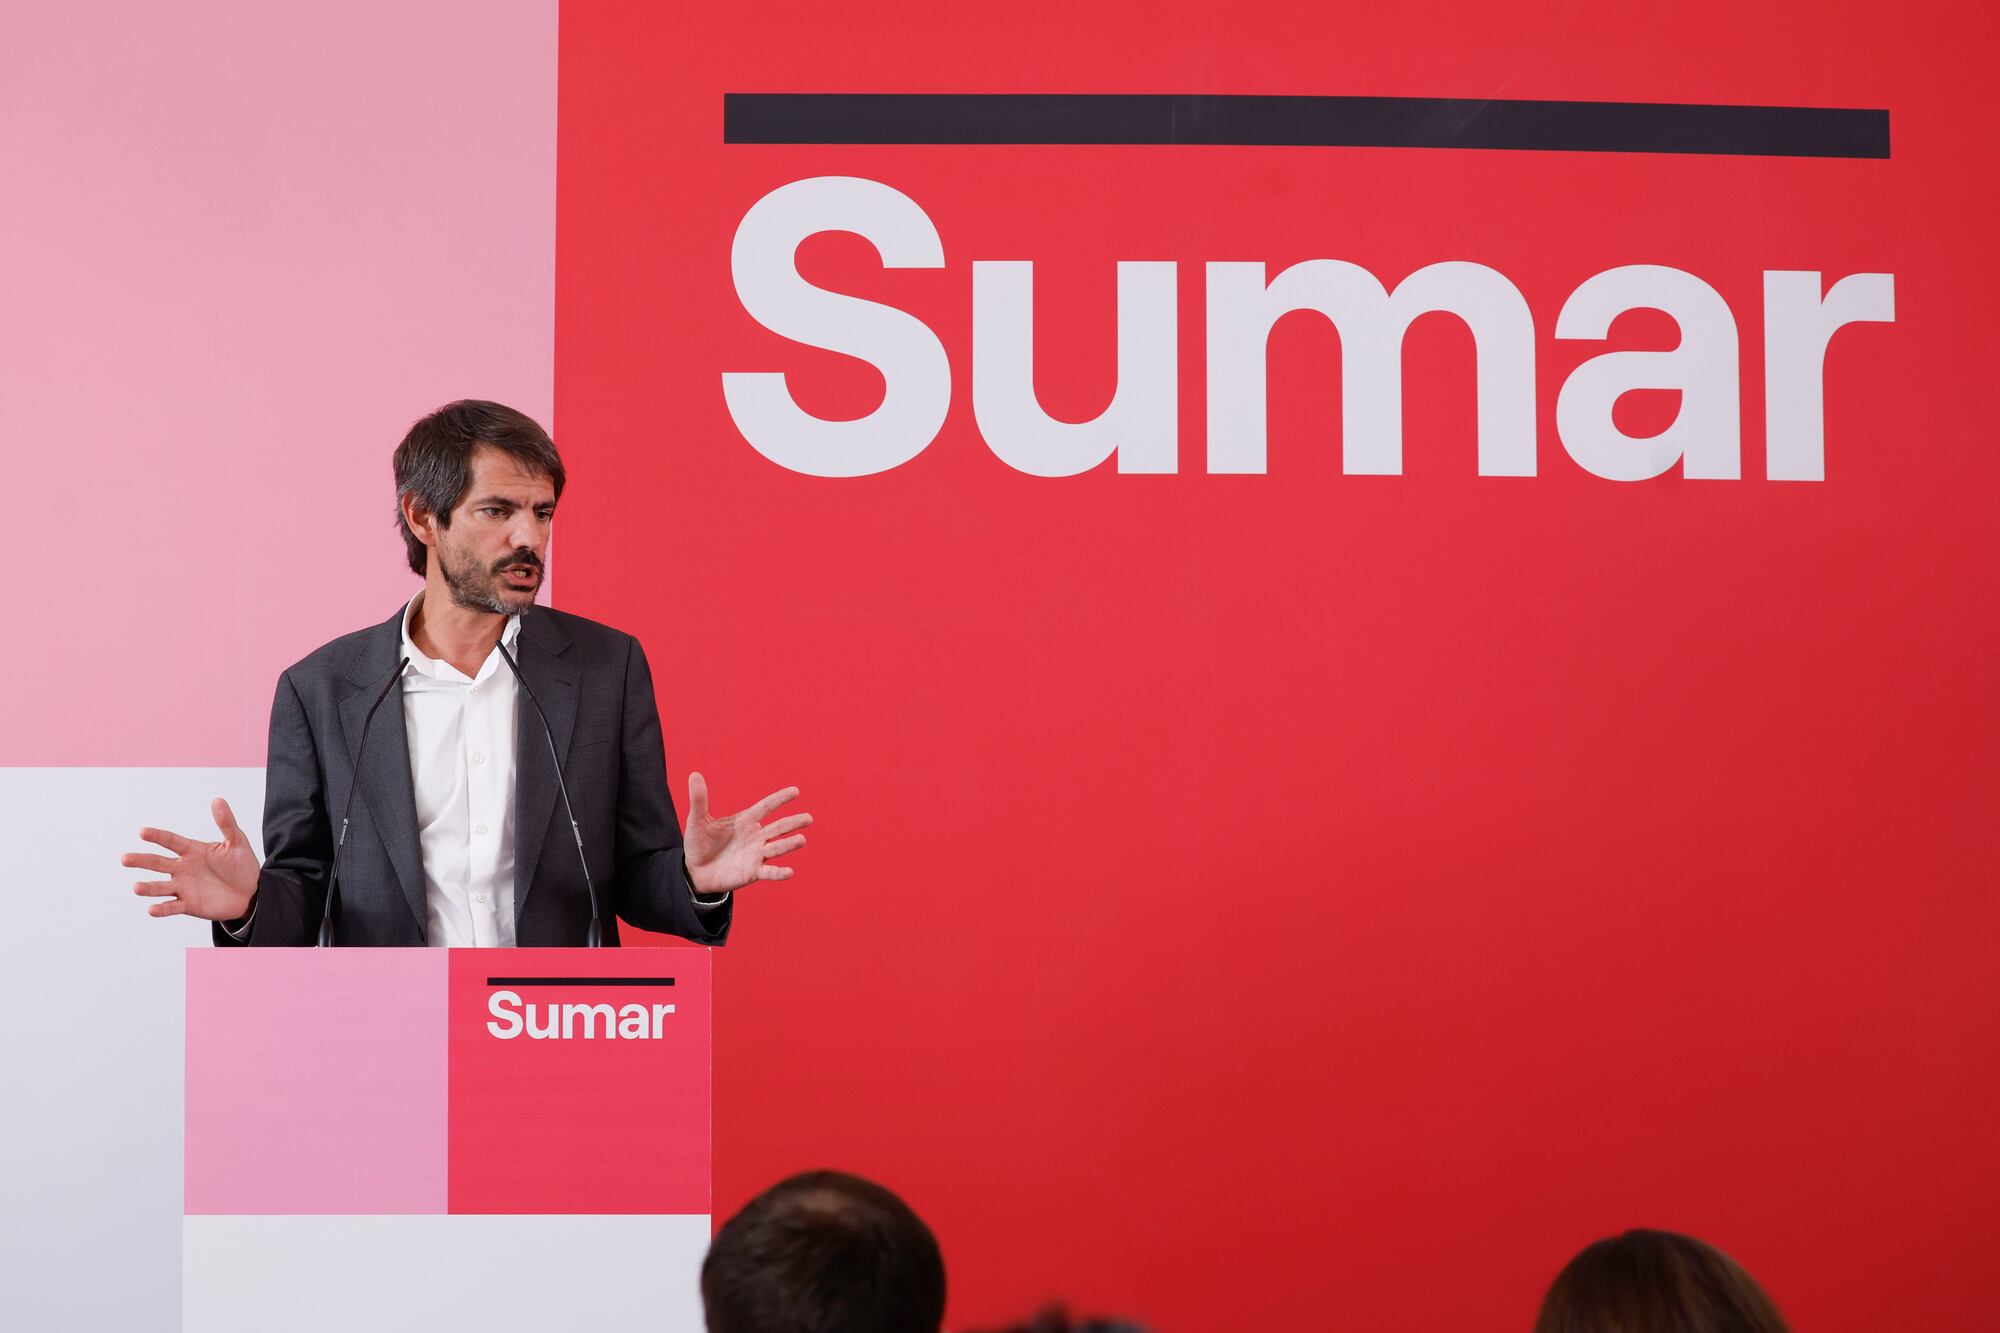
[(90, 1135)]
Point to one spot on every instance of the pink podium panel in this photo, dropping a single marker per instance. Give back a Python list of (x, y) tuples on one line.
[(412, 1138), (316, 1083)]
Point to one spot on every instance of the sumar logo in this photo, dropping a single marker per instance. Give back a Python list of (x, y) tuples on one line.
[(575, 1021), (1802, 312)]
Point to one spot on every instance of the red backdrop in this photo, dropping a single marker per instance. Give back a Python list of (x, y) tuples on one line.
[(1310, 899)]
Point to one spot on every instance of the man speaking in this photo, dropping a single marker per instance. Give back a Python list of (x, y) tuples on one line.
[(452, 743)]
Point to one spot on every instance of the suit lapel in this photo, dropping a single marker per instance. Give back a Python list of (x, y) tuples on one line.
[(539, 649), (383, 767)]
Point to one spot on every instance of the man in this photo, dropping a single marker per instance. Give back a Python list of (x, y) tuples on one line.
[(824, 1252), (458, 833)]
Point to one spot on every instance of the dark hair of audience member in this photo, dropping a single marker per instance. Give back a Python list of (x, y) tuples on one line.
[(824, 1252), (1656, 1282), (1055, 1319)]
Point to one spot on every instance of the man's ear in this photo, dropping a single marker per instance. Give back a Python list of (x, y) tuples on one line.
[(422, 522)]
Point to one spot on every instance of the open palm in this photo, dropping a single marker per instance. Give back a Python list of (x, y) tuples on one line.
[(212, 880), (731, 851)]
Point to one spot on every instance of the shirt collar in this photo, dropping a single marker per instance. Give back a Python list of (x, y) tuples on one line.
[(425, 665)]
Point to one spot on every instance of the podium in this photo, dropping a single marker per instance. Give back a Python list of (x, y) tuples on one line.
[(437, 1139)]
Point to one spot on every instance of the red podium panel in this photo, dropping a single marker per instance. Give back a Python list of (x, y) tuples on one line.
[(579, 1081), (506, 1138)]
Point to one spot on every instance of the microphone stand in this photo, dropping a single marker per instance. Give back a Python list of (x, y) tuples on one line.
[(594, 938), (333, 878)]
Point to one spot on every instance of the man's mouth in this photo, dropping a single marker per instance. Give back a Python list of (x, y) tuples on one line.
[(523, 576)]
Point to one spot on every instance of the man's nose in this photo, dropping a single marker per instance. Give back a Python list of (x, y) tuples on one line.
[(527, 530)]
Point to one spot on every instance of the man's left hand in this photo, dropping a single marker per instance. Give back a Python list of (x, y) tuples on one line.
[(729, 852)]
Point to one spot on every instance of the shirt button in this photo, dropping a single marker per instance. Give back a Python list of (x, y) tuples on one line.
[(478, 758), (479, 828), (479, 897)]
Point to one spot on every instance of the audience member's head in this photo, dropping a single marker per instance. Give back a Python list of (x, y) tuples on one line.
[(1656, 1282), (824, 1252), (1055, 1319)]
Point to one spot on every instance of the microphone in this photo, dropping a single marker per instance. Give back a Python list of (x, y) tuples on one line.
[(595, 937), (333, 878)]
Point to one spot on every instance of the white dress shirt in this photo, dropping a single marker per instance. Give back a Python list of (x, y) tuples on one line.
[(461, 735)]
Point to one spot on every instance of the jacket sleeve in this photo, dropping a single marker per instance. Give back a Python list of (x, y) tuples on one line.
[(298, 836), (650, 887)]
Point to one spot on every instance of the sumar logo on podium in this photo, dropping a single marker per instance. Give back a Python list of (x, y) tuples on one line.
[(513, 1016)]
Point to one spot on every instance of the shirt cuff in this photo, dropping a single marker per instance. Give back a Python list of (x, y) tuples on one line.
[(240, 932), (701, 904)]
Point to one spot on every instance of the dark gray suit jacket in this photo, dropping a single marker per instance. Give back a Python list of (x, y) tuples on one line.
[(594, 684)]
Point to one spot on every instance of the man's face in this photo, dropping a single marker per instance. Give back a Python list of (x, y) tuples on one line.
[(491, 555)]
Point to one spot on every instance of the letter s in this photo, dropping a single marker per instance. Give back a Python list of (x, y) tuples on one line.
[(895, 342), (510, 1019)]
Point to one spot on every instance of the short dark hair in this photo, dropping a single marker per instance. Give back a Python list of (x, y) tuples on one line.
[(1656, 1282), (1056, 1319), (824, 1252), (434, 461)]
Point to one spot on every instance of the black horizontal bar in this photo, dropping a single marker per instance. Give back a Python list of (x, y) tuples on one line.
[(1346, 122), (579, 981)]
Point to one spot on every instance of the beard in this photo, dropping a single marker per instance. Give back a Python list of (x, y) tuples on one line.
[(478, 590)]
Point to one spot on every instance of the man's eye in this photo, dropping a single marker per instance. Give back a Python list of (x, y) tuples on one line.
[(495, 511)]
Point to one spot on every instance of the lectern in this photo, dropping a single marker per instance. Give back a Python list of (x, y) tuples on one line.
[(491, 1139)]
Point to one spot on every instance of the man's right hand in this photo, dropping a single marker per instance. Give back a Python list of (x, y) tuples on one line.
[(215, 881)]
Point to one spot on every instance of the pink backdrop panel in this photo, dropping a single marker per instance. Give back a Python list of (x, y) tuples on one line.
[(241, 248)]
